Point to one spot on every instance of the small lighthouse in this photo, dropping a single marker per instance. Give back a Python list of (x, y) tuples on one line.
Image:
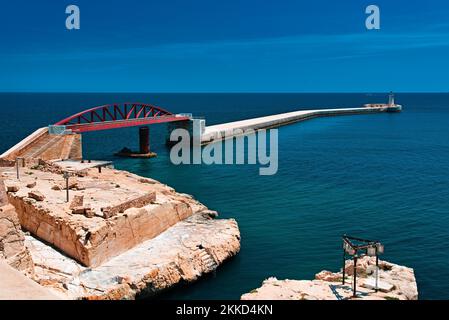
[(391, 99), (392, 106)]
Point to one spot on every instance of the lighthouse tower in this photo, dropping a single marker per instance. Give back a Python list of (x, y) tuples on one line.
[(391, 99)]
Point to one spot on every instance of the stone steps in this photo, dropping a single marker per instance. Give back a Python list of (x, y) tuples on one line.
[(208, 260)]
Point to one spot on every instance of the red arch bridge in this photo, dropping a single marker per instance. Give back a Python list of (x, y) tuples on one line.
[(115, 116)]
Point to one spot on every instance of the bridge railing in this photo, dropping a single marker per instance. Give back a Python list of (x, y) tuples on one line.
[(58, 130)]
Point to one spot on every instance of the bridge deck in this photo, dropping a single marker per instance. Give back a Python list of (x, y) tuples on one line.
[(106, 125)]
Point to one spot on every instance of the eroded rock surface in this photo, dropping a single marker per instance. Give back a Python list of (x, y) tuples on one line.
[(184, 252), (395, 282)]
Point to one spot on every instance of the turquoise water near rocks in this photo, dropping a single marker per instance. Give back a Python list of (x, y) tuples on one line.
[(382, 176)]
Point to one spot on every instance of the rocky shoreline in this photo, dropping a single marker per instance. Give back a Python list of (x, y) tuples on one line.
[(395, 283), (182, 254), (119, 237)]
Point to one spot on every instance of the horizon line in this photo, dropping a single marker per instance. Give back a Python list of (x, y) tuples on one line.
[(221, 92)]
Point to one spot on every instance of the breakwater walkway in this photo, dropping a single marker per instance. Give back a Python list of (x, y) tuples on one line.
[(217, 132)]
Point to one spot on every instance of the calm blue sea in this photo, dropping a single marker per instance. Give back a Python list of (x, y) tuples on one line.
[(383, 176)]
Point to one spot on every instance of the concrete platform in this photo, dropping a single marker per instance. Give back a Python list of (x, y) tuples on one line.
[(16, 286), (76, 165)]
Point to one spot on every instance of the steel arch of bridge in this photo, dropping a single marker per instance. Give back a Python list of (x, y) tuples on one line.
[(114, 116)]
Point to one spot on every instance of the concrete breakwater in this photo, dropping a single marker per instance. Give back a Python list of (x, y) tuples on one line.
[(119, 235), (226, 130)]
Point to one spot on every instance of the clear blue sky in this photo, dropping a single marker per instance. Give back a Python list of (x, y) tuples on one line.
[(224, 46)]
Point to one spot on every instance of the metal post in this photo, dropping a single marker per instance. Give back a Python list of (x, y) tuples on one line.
[(377, 271), (66, 177), (354, 294), (344, 265), (67, 188), (17, 168)]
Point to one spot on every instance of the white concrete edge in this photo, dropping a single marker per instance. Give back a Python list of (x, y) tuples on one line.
[(32, 137)]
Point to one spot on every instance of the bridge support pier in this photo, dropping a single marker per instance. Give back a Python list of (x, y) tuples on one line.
[(195, 127), (144, 140)]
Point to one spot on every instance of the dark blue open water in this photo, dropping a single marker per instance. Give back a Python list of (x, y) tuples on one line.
[(383, 176)]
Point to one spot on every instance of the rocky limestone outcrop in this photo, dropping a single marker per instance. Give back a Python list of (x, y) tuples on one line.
[(120, 210), (395, 283), (12, 247), (120, 236), (181, 254)]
